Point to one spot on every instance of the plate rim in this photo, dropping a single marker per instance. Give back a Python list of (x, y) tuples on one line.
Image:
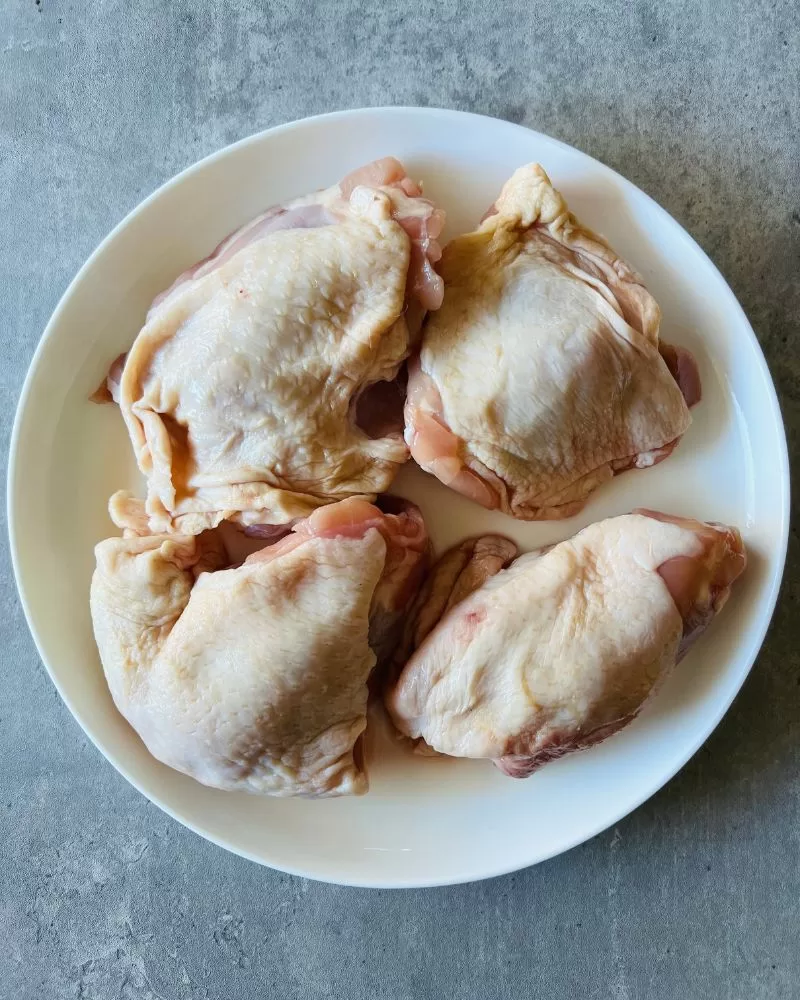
[(14, 497)]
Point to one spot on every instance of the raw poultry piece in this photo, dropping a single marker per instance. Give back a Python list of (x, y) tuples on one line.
[(262, 383), (541, 376), (561, 649), (246, 669)]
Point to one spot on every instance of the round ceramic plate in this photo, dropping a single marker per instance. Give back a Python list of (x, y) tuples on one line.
[(424, 821)]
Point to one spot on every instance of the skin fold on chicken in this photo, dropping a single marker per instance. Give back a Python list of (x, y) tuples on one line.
[(245, 662), (258, 388), (541, 376), (562, 648)]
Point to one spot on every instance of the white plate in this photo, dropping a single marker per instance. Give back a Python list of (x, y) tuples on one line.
[(424, 822)]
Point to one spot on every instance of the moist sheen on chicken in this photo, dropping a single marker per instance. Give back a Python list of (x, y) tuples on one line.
[(250, 672), (250, 392), (541, 376), (561, 649)]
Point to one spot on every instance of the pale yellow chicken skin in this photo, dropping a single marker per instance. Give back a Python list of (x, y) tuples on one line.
[(254, 677), (540, 376), (240, 393), (564, 647)]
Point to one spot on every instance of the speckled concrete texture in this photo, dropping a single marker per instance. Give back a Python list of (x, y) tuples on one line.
[(697, 895)]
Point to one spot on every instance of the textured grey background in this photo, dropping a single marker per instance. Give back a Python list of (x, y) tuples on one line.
[(696, 894)]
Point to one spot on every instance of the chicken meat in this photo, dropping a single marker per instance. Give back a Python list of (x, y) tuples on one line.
[(262, 384), (243, 661), (562, 648), (541, 376)]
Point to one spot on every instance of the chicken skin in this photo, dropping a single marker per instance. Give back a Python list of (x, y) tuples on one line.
[(562, 648), (245, 663), (250, 392), (541, 376)]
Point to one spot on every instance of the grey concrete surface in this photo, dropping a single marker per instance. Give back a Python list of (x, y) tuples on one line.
[(696, 895)]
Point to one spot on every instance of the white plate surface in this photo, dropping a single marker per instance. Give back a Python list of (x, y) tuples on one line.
[(424, 822)]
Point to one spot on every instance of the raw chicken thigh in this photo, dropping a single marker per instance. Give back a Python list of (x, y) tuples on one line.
[(541, 376), (561, 649), (250, 672), (250, 393)]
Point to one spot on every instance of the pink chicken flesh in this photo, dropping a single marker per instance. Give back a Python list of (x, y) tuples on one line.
[(250, 392), (562, 648), (542, 376), (246, 664)]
